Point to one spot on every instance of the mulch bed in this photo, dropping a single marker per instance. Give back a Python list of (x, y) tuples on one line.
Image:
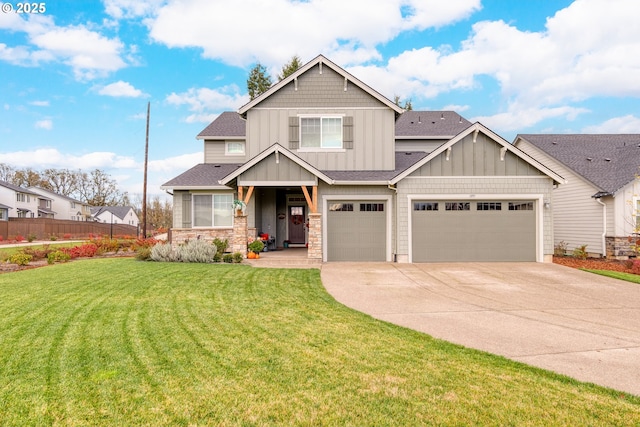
[(594, 264)]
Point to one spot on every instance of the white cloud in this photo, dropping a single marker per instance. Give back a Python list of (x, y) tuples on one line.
[(273, 31), (456, 108), (177, 163), (121, 89), (584, 52), (87, 52), (53, 158), (46, 124), (205, 103), (121, 9), (520, 117), (625, 124), (40, 103)]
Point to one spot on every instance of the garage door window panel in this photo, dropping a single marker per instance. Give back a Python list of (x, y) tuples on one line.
[(341, 207), (425, 206), (457, 206), (520, 206), (489, 206)]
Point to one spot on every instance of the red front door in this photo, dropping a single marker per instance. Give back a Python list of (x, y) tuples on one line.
[(296, 224)]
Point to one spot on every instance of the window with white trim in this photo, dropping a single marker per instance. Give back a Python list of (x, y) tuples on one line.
[(212, 210), (321, 132), (234, 148)]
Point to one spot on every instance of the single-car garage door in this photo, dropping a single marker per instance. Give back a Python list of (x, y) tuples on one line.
[(492, 230), (356, 230)]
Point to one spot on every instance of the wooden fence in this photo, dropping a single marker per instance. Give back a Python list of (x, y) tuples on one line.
[(49, 229)]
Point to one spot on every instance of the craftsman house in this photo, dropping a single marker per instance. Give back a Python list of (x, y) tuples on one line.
[(323, 161), (599, 206)]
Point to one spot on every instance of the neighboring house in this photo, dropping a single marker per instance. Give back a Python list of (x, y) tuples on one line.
[(44, 207), (65, 207), (600, 205), (19, 202), (322, 160), (4, 212), (115, 215)]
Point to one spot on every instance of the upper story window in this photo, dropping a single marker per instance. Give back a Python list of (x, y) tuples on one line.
[(234, 148), (321, 132), (21, 197)]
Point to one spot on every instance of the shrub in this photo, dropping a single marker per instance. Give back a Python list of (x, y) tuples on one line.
[(31, 237), (196, 251), (218, 257), (221, 245), (143, 253), (86, 250), (560, 249), (635, 267), (19, 238), (67, 236), (237, 257), (20, 258), (38, 253), (228, 258), (53, 237), (580, 252), (162, 253), (58, 256), (256, 246)]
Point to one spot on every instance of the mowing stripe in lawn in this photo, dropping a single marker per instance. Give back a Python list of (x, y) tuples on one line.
[(123, 342)]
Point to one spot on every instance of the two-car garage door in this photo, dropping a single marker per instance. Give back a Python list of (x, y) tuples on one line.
[(454, 230)]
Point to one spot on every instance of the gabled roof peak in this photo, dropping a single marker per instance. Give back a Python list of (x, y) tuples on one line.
[(321, 61)]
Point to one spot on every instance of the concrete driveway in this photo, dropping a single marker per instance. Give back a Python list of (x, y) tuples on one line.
[(561, 319)]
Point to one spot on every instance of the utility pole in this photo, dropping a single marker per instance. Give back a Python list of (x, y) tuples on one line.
[(144, 190)]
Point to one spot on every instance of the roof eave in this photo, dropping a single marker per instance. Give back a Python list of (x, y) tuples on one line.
[(218, 137)]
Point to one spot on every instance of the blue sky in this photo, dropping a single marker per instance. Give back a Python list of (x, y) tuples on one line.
[(75, 79)]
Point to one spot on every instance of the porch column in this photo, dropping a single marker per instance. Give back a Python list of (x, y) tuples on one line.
[(240, 235), (314, 250)]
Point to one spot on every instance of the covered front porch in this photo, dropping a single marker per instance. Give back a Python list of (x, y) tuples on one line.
[(286, 216)]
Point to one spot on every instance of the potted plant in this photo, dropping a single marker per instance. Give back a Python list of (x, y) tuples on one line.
[(255, 248), (238, 206)]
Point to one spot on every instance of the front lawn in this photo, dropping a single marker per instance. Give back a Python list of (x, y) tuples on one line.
[(629, 277), (124, 342)]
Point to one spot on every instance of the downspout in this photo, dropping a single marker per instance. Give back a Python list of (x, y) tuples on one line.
[(604, 227), (394, 255)]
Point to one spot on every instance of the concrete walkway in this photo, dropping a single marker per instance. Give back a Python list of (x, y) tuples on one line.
[(561, 319)]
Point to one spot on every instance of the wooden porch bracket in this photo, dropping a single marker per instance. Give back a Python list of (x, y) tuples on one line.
[(241, 195), (312, 201)]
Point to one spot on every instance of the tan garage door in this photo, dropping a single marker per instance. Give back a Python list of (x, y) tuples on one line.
[(491, 230), (356, 230)]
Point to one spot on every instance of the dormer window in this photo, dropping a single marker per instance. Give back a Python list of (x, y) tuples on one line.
[(320, 132), (234, 148)]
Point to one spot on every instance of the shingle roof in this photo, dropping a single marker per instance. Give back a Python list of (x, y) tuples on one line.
[(202, 175), (608, 161), (228, 124), (410, 124), (404, 160), (119, 211), (17, 188), (430, 124)]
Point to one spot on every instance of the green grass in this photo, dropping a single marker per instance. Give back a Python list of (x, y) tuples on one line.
[(617, 275), (123, 342)]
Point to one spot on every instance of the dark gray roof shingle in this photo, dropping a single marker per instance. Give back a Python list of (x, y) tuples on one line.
[(17, 188), (228, 124), (430, 124), (404, 160), (608, 161), (202, 175), (118, 211)]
